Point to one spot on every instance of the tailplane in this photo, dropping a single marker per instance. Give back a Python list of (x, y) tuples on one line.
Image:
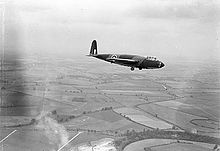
[(93, 49)]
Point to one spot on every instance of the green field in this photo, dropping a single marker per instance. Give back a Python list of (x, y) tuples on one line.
[(168, 145), (81, 89)]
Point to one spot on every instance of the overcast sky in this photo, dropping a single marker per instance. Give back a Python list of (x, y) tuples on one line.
[(181, 29)]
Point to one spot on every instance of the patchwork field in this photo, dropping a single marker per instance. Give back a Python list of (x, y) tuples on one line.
[(103, 121), (143, 118), (92, 102), (181, 119), (168, 145)]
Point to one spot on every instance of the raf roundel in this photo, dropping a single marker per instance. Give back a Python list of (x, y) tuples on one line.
[(114, 56)]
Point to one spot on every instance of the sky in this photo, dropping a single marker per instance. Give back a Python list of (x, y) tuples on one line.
[(167, 29)]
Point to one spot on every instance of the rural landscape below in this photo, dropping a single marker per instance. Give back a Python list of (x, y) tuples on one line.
[(54, 103)]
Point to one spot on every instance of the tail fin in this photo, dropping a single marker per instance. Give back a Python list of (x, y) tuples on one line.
[(93, 49)]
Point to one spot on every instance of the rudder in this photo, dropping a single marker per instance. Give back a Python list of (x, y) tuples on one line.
[(93, 49)]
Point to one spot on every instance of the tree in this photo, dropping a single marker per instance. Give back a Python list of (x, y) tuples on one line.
[(33, 121), (54, 112), (127, 132), (147, 149), (173, 127), (215, 147)]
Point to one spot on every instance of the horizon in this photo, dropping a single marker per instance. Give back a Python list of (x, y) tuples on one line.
[(168, 30)]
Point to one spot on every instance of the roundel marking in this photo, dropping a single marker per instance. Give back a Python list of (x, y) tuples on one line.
[(114, 56)]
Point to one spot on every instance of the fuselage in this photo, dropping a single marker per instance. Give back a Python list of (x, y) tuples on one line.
[(133, 61), (138, 61)]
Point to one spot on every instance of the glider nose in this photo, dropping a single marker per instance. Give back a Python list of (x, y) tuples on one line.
[(161, 64)]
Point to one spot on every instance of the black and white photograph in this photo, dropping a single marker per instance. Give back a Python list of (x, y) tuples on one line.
[(109, 75)]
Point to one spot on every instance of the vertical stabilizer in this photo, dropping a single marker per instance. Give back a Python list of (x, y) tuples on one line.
[(93, 50)]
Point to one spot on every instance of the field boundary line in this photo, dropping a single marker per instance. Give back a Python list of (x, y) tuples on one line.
[(8, 136), (69, 141)]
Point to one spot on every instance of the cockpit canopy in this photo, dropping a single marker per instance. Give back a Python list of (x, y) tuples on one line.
[(151, 58)]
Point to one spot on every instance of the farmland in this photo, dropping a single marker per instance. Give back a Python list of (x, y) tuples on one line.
[(58, 100)]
